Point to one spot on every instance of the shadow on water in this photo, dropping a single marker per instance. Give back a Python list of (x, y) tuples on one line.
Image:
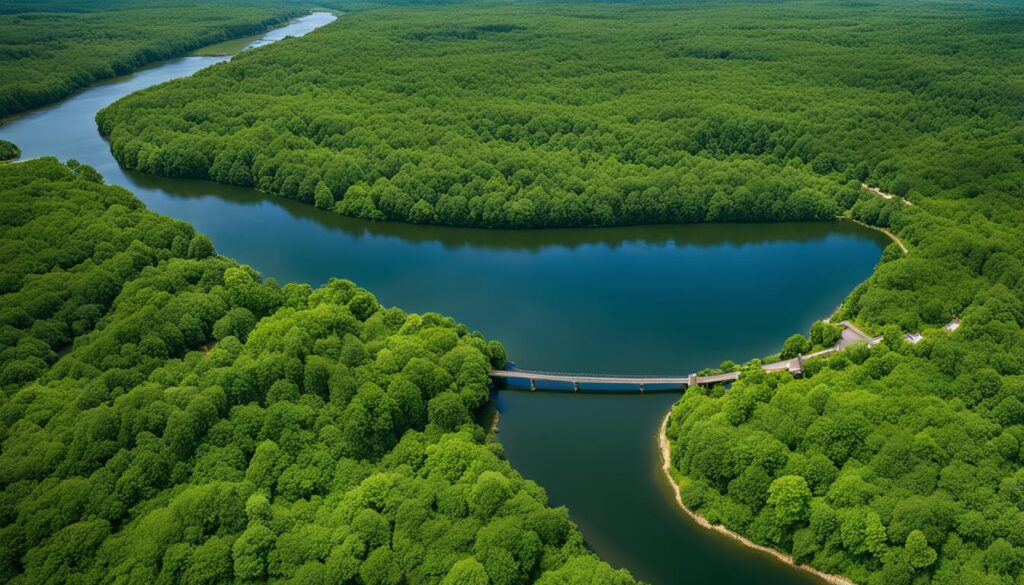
[(703, 235), (667, 299)]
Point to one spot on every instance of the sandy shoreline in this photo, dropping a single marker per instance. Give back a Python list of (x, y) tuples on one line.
[(891, 235), (492, 431), (665, 459)]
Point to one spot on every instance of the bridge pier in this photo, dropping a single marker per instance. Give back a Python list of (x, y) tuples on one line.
[(641, 387), (692, 381), (575, 386), (533, 385)]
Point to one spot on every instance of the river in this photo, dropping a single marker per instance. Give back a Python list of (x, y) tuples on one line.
[(652, 299)]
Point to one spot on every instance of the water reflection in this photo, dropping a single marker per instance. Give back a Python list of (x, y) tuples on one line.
[(453, 238)]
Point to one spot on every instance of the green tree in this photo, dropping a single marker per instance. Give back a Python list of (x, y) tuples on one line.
[(200, 247), (250, 552), (468, 571), (918, 553), (795, 345), (825, 334), (8, 151), (790, 497), (488, 494), (447, 411), (323, 198)]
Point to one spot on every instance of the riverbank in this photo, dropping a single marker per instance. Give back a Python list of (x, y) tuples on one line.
[(666, 467), (63, 57), (231, 47)]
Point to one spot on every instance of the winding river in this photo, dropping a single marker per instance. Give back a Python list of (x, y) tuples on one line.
[(653, 299)]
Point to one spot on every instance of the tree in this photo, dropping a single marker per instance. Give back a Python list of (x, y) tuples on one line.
[(8, 151), (918, 553), (790, 497), (363, 305), (795, 345), (200, 247), (250, 552), (211, 562), (238, 322), (323, 198), (1001, 557), (488, 494), (380, 568), (468, 571), (267, 464), (447, 411), (496, 354), (824, 334)]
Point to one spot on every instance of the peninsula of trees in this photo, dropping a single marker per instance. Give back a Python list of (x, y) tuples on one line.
[(169, 416), (601, 114)]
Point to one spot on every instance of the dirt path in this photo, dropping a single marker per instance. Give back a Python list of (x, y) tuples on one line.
[(703, 522), (885, 195)]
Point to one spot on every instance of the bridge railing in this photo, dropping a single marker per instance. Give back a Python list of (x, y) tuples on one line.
[(793, 365), (543, 373)]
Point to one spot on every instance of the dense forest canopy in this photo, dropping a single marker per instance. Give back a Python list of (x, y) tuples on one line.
[(598, 114), (900, 463), (168, 416), (892, 465), (148, 383), (45, 56), (21, 6)]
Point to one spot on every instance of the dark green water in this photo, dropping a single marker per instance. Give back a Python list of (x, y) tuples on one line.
[(656, 299)]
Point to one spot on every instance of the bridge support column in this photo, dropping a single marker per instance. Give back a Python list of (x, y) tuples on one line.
[(692, 381), (641, 387), (533, 385), (575, 386)]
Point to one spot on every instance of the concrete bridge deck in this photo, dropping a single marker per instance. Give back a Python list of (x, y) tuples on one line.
[(641, 383)]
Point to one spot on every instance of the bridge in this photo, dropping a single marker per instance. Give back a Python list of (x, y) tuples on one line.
[(640, 383)]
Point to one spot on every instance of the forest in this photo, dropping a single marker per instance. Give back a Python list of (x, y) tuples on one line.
[(602, 114), (169, 416), (900, 463), (50, 49), (892, 465)]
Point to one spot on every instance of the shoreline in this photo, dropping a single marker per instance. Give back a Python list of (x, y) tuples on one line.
[(891, 235), (268, 24), (493, 430), (664, 450)]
